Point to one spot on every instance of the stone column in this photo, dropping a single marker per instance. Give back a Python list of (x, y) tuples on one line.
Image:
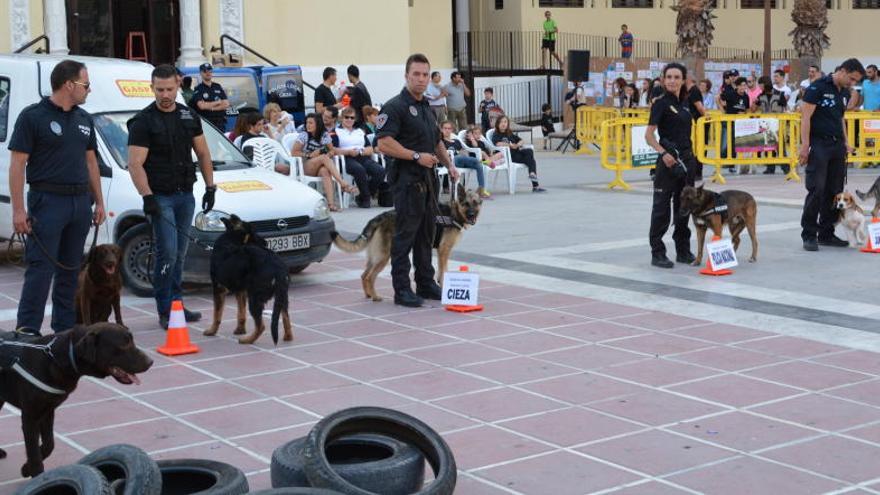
[(232, 24), (55, 25), (191, 52), (19, 24)]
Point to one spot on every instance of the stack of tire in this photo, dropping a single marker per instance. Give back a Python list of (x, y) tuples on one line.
[(356, 451)]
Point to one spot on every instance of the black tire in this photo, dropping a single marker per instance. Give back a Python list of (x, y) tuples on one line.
[(374, 463), (137, 245), (296, 491), (298, 269), (382, 421), (72, 479), (202, 477), (139, 474)]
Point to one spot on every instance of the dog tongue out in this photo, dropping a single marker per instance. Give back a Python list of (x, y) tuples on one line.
[(124, 377)]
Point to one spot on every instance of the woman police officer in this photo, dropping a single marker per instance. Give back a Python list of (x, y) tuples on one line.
[(675, 166)]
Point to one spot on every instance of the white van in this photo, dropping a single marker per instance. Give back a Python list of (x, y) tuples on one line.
[(292, 216)]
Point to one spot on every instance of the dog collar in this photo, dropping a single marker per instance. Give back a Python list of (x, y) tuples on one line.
[(36, 382), (72, 357), (447, 221)]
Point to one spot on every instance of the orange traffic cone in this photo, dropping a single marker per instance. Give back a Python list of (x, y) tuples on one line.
[(870, 247), (177, 341), (709, 270), (463, 308)]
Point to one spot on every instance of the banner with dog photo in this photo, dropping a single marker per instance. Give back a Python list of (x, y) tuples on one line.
[(756, 135)]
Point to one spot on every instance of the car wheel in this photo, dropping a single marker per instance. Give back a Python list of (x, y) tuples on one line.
[(297, 269), (74, 479), (374, 463), (137, 259), (202, 477), (382, 421), (138, 474)]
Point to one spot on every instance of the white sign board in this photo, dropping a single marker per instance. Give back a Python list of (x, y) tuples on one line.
[(643, 155), (874, 233), (460, 288), (722, 254)]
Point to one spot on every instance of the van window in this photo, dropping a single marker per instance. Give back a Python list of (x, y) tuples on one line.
[(113, 129), (4, 107), (241, 91)]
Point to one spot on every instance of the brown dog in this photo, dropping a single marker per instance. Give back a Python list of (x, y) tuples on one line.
[(711, 210), (38, 376), (100, 286)]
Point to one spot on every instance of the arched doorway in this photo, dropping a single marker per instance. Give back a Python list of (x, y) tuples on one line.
[(100, 27)]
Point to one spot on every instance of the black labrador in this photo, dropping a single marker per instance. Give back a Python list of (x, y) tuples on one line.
[(38, 374)]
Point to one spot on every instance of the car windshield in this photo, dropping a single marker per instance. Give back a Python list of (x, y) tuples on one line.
[(113, 129)]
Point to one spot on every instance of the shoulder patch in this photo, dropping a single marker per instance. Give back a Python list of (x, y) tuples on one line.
[(381, 119)]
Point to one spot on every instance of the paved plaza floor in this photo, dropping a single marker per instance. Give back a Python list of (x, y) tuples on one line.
[(588, 371)]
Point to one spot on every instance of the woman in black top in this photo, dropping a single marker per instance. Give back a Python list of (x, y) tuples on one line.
[(671, 118), (504, 137)]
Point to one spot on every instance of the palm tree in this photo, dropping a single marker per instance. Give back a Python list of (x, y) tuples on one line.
[(694, 28), (808, 37)]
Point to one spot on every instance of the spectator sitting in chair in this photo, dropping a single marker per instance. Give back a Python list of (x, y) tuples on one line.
[(357, 152), (473, 138), (278, 122), (314, 146), (504, 137), (370, 114), (241, 127), (331, 122), (462, 160), (255, 125), (630, 97)]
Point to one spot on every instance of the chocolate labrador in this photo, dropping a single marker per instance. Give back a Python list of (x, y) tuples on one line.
[(37, 374), (100, 286)]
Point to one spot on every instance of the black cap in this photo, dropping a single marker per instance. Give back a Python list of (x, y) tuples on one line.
[(731, 73), (205, 67)]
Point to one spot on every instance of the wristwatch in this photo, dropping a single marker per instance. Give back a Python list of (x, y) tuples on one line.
[(416, 156)]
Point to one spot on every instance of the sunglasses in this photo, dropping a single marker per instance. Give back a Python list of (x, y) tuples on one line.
[(86, 85), (348, 117)]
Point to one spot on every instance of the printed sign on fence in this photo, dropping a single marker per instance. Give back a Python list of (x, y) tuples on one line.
[(874, 234), (643, 155), (755, 135), (871, 126), (722, 254), (460, 288)]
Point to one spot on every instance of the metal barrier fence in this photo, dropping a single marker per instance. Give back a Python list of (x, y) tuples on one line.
[(588, 121), (616, 152), (863, 134)]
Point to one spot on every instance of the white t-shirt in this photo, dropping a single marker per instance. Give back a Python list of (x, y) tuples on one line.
[(353, 139), (433, 93)]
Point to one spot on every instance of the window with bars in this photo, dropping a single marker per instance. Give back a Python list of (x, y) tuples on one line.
[(866, 4), (499, 4), (632, 4), (755, 4), (560, 3)]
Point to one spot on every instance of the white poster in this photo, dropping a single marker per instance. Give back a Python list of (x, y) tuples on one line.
[(643, 155)]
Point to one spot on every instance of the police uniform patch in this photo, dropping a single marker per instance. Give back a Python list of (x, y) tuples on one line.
[(204, 95), (380, 120), (55, 127), (413, 111), (86, 130)]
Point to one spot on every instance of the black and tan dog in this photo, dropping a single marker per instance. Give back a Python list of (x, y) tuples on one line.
[(100, 286), (711, 210), (376, 237), (873, 192), (37, 374), (243, 265)]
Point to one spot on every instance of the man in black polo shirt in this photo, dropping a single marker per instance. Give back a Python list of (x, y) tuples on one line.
[(407, 132), (161, 140), (360, 97), (695, 105), (823, 150), (324, 92), (209, 99), (54, 142)]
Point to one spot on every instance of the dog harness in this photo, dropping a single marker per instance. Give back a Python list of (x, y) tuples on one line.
[(444, 221), (11, 347), (720, 208)]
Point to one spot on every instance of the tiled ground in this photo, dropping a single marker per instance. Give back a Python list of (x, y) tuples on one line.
[(541, 393)]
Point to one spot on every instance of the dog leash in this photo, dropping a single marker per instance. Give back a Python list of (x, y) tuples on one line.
[(45, 251)]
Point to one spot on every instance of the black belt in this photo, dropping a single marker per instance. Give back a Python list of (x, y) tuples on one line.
[(62, 189), (827, 138)]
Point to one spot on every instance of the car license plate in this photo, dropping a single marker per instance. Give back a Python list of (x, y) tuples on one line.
[(289, 242)]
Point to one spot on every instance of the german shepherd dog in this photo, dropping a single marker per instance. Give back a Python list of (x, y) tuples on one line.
[(873, 192), (242, 264), (378, 233), (711, 210)]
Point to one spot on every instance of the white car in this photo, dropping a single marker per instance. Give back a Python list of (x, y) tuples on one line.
[(293, 217)]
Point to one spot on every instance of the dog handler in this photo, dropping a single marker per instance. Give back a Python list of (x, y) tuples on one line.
[(161, 140), (407, 131), (823, 149), (54, 140), (671, 118)]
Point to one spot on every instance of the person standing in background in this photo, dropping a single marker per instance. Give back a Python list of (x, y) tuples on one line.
[(456, 105), (548, 42), (626, 41), (436, 96)]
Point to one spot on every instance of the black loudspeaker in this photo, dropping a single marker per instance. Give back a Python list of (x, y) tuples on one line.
[(578, 65)]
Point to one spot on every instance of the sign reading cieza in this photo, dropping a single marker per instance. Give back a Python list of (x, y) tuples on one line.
[(134, 88), (460, 288)]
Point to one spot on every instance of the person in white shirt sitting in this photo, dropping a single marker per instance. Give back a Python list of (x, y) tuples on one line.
[(354, 147), (278, 122)]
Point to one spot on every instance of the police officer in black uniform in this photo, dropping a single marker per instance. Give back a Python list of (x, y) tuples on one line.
[(407, 132), (676, 166), (209, 99), (161, 140), (54, 141), (823, 149)]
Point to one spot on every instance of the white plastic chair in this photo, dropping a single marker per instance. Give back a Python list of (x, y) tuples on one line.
[(512, 166), (266, 152), (495, 172), (297, 170)]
